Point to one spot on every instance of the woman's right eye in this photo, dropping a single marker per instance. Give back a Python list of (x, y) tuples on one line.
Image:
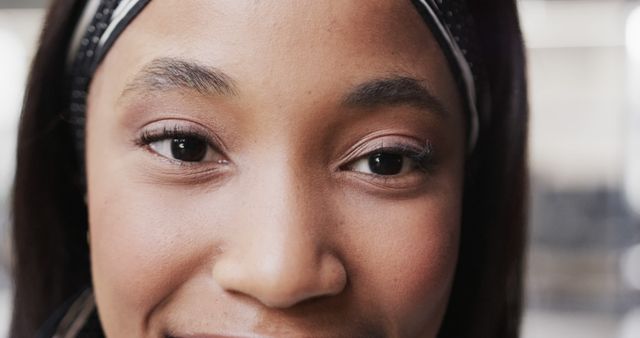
[(182, 146), (185, 149)]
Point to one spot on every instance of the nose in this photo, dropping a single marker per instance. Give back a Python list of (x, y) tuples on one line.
[(281, 255)]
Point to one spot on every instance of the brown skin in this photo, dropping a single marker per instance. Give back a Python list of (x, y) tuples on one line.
[(280, 230)]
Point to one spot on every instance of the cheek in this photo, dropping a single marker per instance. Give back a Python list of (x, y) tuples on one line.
[(405, 257), (146, 240), (129, 251), (129, 233)]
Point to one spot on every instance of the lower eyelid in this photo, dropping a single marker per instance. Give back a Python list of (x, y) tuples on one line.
[(167, 170), (406, 184), (206, 177)]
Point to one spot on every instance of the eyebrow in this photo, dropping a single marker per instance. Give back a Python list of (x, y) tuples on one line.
[(165, 74), (394, 91)]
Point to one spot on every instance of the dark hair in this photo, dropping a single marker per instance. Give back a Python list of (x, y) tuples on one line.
[(51, 260)]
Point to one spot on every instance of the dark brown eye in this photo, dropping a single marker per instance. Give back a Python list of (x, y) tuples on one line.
[(185, 149), (385, 163), (188, 149)]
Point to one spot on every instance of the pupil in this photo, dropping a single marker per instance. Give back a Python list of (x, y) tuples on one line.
[(385, 164), (188, 149)]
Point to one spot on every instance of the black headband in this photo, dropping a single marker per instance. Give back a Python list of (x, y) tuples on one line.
[(453, 27), (102, 22)]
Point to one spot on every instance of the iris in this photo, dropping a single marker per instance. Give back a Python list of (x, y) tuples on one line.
[(188, 149), (386, 163)]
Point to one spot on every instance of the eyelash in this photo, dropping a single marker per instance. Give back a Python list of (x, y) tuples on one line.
[(182, 132), (150, 136), (423, 156)]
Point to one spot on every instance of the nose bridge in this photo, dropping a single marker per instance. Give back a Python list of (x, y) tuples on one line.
[(283, 257)]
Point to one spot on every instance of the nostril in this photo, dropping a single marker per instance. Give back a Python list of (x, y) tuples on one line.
[(333, 276), (285, 284)]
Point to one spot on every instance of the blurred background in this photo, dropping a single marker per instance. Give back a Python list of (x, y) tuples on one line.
[(583, 267)]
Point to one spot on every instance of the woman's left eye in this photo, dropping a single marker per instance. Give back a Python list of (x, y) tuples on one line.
[(184, 149), (385, 163)]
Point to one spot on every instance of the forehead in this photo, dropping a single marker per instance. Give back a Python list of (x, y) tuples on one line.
[(290, 21), (285, 29)]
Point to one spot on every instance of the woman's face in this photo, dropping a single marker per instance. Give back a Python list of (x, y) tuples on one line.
[(274, 168)]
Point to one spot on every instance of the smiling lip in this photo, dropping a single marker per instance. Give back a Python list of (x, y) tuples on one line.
[(216, 336)]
